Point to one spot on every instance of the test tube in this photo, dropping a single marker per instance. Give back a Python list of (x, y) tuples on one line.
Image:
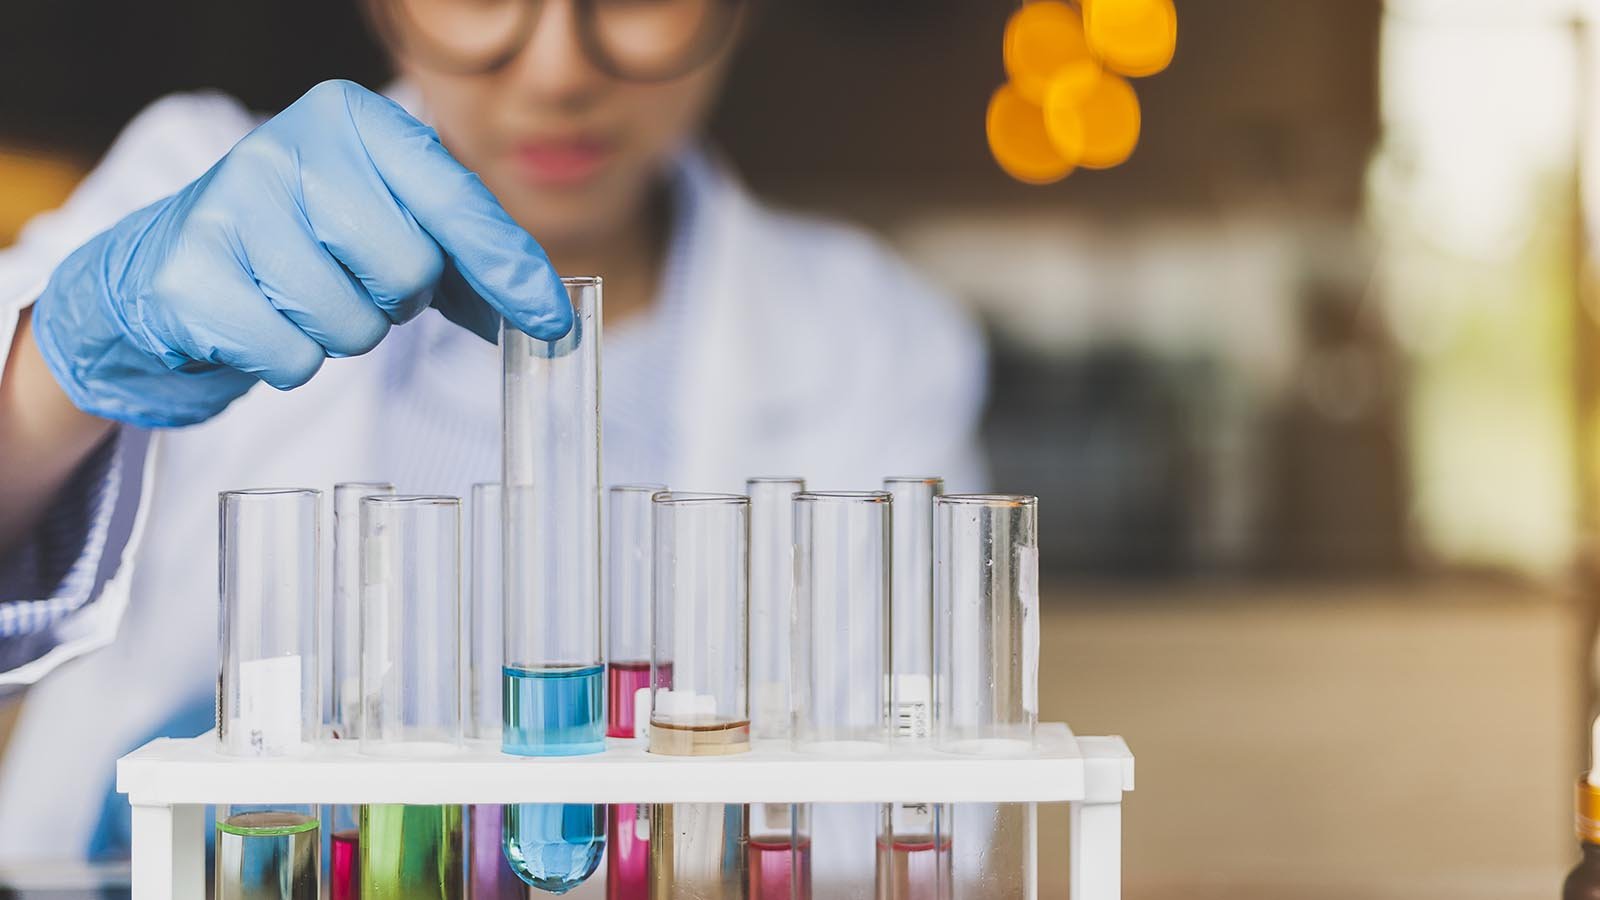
[(628, 575), (699, 620), (986, 665), (914, 841), (841, 662), (267, 697), (489, 874), (627, 589), (411, 687), (343, 822), (780, 846), (986, 623), (700, 607), (554, 678)]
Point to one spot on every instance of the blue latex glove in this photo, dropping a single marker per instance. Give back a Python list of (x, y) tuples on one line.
[(339, 217)]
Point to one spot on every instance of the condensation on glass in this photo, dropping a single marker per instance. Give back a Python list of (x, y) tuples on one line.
[(986, 623)]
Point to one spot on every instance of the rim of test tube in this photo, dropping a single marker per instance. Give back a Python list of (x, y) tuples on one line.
[(267, 491), (581, 280), (867, 496), (363, 484), (987, 499), (775, 479), (411, 499), (639, 488), (913, 479), (684, 498)]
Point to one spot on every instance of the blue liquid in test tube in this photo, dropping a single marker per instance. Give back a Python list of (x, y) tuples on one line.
[(553, 680)]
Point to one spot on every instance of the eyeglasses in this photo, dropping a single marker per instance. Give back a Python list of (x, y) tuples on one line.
[(634, 40)]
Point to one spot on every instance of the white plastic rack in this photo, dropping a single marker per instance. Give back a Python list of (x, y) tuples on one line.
[(170, 782)]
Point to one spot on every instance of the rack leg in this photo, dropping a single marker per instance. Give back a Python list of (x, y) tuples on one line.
[(1096, 851), (169, 857)]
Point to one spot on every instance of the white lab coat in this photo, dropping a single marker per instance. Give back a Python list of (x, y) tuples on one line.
[(811, 351)]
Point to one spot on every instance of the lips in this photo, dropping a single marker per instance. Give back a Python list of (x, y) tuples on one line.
[(567, 161)]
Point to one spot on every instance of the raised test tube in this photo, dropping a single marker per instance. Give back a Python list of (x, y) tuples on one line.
[(489, 874), (841, 667), (986, 671), (914, 841), (267, 691), (343, 822), (627, 589), (411, 687), (699, 619), (780, 845), (554, 679)]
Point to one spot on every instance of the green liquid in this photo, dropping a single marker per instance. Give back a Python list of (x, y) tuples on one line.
[(267, 855), (411, 852)]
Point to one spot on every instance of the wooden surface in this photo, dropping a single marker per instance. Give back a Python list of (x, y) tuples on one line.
[(1303, 741)]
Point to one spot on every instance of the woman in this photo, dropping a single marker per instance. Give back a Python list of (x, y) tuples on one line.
[(305, 251)]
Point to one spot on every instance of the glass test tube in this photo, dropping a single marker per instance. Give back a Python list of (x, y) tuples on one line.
[(267, 688), (342, 823), (554, 697), (411, 687), (628, 575), (780, 844), (627, 589), (986, 667), (840, 685), (699, 620), (489, 874), (914, 840), (986, 623)]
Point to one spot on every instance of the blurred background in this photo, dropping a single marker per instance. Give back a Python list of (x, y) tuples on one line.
[(1309, 389)]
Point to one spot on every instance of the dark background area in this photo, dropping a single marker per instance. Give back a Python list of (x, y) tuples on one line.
[(854, 103)]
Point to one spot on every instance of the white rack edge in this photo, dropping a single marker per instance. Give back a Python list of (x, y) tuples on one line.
[(1061, 768)]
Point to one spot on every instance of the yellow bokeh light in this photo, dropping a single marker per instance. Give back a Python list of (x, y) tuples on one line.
[(1132, 37), (1063, 114), (1041, 38), (1111, 122), (1019, 142)]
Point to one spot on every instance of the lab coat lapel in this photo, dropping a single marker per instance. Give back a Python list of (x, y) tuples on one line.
[(710, 397)]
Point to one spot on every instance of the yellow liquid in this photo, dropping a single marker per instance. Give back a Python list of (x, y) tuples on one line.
[(699, 851), (699, 738)]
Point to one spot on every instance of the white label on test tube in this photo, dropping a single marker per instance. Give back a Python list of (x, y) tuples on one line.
[(912, 696), (641, 822), (641, 715), (672, 705), (269, 704)]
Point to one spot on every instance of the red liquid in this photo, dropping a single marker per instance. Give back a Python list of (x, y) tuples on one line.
[(345, 867), (623, 680), (914, 869), (627, 854), (773, 874)]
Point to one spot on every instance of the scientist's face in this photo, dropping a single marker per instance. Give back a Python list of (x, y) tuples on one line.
[(558, 123)]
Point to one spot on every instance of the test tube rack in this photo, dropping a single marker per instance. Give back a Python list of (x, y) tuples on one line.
[(170, 782)]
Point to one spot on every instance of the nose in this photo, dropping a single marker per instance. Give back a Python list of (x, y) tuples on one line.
[(552, 66)]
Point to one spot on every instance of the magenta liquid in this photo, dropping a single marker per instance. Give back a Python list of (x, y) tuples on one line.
[(623, 681), (776, 873), (627, 838), (914, 869), (344, 869), (490, 875)]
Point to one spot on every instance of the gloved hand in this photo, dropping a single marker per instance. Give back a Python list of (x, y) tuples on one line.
[(321, 228)]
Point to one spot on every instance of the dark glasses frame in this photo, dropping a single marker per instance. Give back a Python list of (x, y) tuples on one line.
[(393, 24)]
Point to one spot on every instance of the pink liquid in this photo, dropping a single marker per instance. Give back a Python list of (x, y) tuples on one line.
[(773, 874), (491, 876), (914, 869), (627, 854), (623, 680), (344, 868)]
